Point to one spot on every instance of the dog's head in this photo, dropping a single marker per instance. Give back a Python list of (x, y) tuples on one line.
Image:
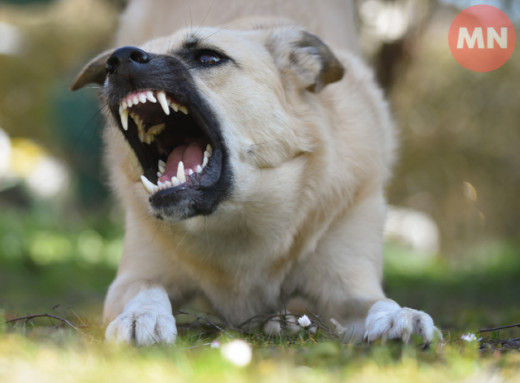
[(205, 111)]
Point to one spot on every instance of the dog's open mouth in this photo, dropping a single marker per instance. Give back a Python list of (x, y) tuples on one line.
[(170, 141)]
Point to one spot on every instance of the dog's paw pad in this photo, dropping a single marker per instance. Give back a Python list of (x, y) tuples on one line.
[(387, 320), (142, 329)]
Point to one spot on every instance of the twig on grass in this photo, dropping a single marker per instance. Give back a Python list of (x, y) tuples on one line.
[(207, 322), (499, 328), (28, 318)]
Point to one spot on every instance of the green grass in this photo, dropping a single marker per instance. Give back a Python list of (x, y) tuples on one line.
[(48, 260)]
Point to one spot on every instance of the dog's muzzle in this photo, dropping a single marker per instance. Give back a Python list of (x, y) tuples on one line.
[(172, 130)]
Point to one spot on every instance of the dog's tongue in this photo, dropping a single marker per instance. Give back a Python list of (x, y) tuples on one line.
[(191, 155)]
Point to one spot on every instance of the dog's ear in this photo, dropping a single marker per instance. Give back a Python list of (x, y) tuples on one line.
[(92, 73), (304, 56)]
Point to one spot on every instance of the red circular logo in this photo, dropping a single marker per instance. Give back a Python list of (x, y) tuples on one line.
[(482, 38)]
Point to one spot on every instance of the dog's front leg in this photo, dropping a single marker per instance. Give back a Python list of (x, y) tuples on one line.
[(146, 318), (344, 280)]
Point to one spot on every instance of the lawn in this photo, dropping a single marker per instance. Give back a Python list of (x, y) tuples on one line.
[(62, 266)]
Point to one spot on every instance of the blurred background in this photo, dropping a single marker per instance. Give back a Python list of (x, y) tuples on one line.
[(453, 242)]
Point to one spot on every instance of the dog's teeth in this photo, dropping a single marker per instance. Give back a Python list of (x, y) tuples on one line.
[(150, 97), (135, 100), (180, 172), (161, 165), (148, 138), (123, 113), (124, 105), (183, 109), (142, 98), (190, 172), (156, 129), (148, 185), (174, 106), (129, 103), (207, 155), (161, 185), (175, 181), (161, 97), (198, 169)]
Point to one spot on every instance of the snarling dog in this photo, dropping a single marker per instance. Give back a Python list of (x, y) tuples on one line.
[(251, 164)]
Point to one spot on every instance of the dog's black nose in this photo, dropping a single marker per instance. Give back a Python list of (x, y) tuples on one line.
[(126, 57)]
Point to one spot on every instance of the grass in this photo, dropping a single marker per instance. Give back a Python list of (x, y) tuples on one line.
[(46, 259)]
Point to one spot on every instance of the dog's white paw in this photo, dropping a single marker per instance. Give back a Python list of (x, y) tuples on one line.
[(147, 319), (388, 320)]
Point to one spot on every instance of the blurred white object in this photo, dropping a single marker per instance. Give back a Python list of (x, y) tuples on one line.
[(304, 321), (11, 41), (469, 337), (386, 20), (413, 228), (23, 160), (48, 178), (237, 352), (5, 154)]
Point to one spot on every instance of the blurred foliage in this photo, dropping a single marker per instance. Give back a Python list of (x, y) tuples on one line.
[(48, 257), (460, 134), (55, 39)]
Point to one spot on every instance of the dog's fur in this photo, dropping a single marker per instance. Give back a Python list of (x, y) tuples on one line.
[(309, 145)]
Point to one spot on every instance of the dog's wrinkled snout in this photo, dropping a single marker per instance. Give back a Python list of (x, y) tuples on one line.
[(126, 58)]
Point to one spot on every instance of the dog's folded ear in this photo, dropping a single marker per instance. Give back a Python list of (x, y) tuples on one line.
[(305, 58), (92, 73)]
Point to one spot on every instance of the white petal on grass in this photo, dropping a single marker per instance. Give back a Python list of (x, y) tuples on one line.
[(469, 337), (304, 321), (237, 352)]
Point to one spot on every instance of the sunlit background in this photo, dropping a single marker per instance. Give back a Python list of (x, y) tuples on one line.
[(454, 199)]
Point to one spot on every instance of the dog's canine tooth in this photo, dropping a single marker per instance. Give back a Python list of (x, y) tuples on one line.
[(123, 113), (161, 97), (161, 165), (150, 96), (204, 161), (124, 104), (180, 172), (142, 98), (209, 149), (148, 185)]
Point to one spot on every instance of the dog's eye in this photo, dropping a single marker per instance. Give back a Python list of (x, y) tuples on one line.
[(208, 58)]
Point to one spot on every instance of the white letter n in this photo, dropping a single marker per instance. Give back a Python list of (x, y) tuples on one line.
[(492, 36), (477, 36)]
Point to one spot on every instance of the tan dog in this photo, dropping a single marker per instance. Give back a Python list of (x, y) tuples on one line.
[(251, 162)]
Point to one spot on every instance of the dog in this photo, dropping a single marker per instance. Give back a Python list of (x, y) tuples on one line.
[(251, 162)]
